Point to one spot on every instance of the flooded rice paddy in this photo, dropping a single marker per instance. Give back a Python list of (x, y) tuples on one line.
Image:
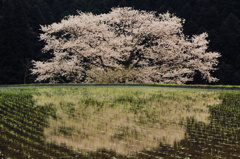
[(115, 122)]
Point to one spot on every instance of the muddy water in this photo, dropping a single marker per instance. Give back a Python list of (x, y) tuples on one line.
[(218, 139)]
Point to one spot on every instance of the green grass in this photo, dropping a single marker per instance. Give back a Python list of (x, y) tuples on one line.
[(127, 84)]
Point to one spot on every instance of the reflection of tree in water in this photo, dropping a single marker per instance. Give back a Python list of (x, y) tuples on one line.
[(219, 139)]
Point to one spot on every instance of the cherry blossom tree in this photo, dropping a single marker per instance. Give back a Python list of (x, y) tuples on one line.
[(125, 45)]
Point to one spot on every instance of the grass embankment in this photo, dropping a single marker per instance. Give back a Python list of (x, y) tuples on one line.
[(125, 120), (125, 84)]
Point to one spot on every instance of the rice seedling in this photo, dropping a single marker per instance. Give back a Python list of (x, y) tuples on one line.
[(119, 122)]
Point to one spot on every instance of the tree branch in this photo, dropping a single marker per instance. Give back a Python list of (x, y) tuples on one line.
[(140, 58), (105, 66)]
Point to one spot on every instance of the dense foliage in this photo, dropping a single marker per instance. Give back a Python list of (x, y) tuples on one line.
[(19, 30)]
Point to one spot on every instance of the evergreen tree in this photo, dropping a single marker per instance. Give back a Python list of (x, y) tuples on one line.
[(230, 36), (19, 43)]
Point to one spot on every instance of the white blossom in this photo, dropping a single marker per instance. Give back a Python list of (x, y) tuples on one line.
[(144, 46)]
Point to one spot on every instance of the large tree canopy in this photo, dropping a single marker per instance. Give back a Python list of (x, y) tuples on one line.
[(125, 45)]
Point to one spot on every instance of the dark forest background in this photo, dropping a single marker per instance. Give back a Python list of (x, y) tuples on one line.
[(20, 22)]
